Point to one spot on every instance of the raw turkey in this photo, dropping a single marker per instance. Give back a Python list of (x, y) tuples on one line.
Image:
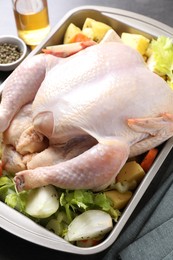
[(104, 96)]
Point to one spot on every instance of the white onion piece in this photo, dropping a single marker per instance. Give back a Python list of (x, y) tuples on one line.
[(42, 202), (89, 224), (111, 36)]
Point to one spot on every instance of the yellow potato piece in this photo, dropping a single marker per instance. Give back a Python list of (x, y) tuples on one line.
[(119, 199), (131, 171), (95, 29), (71, 31), (136, 41), (89, 33)]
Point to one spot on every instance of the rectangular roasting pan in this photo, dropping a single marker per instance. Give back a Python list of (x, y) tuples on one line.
[(122, 21)]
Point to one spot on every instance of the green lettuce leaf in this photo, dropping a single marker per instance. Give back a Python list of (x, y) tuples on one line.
[(161, 59), (6, 187), (72, 203), (81, 200), (9, 195), (17, 201)]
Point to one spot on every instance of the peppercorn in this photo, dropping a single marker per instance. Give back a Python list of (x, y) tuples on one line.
[(9, 53)]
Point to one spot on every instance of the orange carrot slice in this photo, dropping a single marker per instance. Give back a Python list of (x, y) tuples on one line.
[(149, 159), (80, 37)]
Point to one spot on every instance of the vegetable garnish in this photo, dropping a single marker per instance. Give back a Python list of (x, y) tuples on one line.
[(149, 159), (80, 37), (9, 195), (90, 224), (54, 208), (82, 200), (161, 58), (42, 202)]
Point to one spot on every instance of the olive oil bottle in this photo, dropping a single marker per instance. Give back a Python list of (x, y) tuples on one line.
[(32, 20)]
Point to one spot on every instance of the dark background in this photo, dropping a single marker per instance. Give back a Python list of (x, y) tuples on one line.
[(12, 247)]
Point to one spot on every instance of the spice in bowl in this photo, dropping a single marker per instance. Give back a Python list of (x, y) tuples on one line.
[(12, 52), (9, 53)]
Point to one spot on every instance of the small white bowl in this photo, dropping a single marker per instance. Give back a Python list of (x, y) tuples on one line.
[(22, 46)]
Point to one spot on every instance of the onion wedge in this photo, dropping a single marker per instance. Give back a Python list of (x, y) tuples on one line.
[(90, 224), (42, 202)]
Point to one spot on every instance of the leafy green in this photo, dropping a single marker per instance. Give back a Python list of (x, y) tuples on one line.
[(82, 200), (72, 203), (161, 59), (9, 195), (6, 187), (59, 224), (17, 201)]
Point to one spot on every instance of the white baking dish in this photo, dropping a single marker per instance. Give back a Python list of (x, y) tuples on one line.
[(121, 21)]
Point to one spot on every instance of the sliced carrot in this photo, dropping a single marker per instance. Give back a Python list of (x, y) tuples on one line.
[(149, 159), (47, 51), (80, 37), (1, 168), (88, 242)]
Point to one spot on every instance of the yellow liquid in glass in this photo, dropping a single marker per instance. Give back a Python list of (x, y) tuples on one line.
[(33, 26)]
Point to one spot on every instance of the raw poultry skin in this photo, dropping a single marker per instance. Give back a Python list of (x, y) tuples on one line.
[(21, 142), (105, 92)]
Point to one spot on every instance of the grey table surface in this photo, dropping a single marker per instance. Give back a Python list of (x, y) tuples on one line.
[(12, 247)]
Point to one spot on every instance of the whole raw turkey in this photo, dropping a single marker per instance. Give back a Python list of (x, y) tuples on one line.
[(105, 96)]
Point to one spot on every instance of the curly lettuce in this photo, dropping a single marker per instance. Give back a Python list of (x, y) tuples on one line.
[(161, 58), (82, 200), (9, 195), (72, 203)]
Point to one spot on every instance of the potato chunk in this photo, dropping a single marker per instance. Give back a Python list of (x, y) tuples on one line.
[(136, 41), (131, 171), (119, 199), (71, 31), (95, 30)]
